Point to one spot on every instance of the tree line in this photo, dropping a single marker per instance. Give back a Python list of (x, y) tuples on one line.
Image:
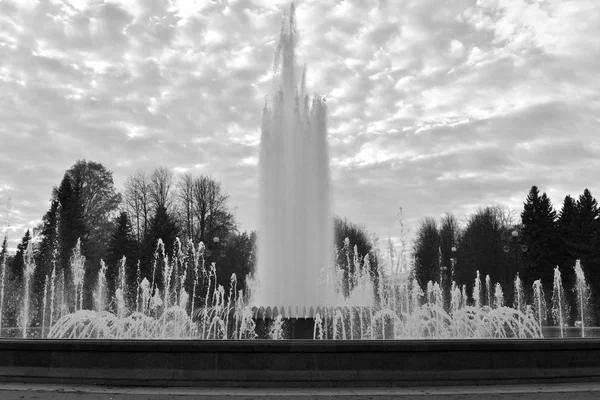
[(497, 242), (181, 211)]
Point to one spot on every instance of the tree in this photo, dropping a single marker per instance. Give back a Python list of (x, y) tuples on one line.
[(15, 277), (449, 238), (239, 259), (161, 185), (211, 211), (48, 254), (185, 195), (586, 216), (97, 202), (426, 252), (98, 198), (12, 286), (586, 227), (567, 250), (71, 227), (481, 248), (122, 244), (138, 203), (357, 245), (18, 264), (163, 226), (540, 235)]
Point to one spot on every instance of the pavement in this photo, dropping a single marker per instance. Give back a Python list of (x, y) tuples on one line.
[(570, 391)]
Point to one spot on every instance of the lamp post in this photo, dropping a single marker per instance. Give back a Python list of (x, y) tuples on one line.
[(453, 263), (446, 284), (515, 242), (210, 252)]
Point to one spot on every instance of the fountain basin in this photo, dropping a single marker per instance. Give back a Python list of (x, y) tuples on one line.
[(299, 363)]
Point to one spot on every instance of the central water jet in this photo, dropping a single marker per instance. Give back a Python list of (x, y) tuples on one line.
[(295, 239)]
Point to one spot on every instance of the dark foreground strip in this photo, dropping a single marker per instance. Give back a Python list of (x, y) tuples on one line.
[(299, 363)]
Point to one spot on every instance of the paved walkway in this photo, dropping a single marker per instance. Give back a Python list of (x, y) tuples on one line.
[(523, 392)]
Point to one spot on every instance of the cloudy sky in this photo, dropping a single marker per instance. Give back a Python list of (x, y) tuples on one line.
[(435, 105)]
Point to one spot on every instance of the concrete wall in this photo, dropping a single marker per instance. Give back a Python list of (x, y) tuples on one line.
[(299, 363)]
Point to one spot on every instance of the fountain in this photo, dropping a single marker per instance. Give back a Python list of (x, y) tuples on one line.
[(296, 280), (295, 235), (582, 291), (560, 306)]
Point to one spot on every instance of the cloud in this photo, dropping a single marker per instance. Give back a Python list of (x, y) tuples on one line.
[(433, 106)]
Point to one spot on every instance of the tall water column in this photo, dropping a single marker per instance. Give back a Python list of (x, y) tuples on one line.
[(295, 236)]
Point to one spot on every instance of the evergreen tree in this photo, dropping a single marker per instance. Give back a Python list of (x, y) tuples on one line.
[(586, 240), (122, 244), (18, 264), (567, 251), (540, 235), (47, 251), (14, 281), (5, 264), (587, 214), (4, 249), (71, 228), (4, 256), (162, 226)]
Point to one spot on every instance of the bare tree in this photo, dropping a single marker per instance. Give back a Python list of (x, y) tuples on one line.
[(505, 215), (210, 209), (185, 195), (138, 202), (161, 184)]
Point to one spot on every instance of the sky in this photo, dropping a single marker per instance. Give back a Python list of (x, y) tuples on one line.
[(434, 105)]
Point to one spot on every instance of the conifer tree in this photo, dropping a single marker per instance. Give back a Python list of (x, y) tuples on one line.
[(18, 264), (540, 235), (46, 253), (587, 214), (567, 251), (4, 249), (71, 228), (4, 281), (586, 240), (162, 226), (14, 281), (122, 244)]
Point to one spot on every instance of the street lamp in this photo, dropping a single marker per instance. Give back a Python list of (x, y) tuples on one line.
[(217, 247), (453, 262), (208, 252), (515, 241)]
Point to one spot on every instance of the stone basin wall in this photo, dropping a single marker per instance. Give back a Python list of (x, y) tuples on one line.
[(299, 363)]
